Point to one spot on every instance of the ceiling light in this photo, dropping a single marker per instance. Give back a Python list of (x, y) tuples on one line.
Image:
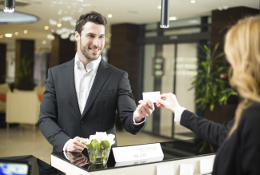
[(65, 35), (16, 33), (109, 15), (172, 18), (66, 18), (8, 35), (159, 7), (43, 42), (50, 36), (59, 12), (46, 27), (192, 1), (165, 14), (52, 22), (73, 22), (9, 6), (25, 31), (59, 25), (72, 38), (86, 5)]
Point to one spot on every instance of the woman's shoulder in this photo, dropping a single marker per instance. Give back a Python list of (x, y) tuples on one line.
[(251, 115), (254, 108)]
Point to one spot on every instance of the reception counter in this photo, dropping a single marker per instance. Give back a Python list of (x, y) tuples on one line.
[(180, 157)]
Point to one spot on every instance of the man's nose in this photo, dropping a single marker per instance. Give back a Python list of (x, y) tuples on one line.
[(96, 42)]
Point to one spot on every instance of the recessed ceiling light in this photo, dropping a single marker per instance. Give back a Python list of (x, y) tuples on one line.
[(16, 33), (25, 31), (172, 18), (43, 42), (109, 15), (59, 25), (8, 35), (46, 27), (159, 7), (192, 1)]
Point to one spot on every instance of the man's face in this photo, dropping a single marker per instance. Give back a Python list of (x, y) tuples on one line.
[(91, 41)]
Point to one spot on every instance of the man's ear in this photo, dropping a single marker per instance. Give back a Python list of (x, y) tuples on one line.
[(77, 36)]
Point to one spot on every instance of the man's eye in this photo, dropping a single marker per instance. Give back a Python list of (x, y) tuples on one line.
[(92, 36)]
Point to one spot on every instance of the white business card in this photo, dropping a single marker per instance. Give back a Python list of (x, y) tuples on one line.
[(152, 96)]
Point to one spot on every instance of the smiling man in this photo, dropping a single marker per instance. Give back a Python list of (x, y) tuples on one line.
[(83, 94)]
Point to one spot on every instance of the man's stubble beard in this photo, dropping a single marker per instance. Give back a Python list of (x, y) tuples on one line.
[(83, 51)]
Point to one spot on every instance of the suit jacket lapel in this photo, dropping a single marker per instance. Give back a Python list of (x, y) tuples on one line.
[(101, 77), (69, 83)]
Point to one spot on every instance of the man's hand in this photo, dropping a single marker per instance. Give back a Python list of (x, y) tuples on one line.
[(75, 145), (144, 109), (77, 158)]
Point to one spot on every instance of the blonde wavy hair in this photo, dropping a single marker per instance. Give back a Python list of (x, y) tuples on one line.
[(242, 48)]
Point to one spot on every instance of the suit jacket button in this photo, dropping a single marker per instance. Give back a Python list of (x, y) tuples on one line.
[(82, 122)]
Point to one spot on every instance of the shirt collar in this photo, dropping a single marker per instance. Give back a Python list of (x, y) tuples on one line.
[(93, 65)]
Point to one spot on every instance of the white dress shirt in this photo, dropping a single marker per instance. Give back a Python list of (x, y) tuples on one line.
[(84, 79)]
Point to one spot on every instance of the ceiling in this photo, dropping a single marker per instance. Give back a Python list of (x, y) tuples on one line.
[(123, 11)]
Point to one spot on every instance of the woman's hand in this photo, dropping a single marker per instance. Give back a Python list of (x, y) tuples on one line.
[(168, 101)]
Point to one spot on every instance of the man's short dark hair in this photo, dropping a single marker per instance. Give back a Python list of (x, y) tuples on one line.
[(92, 16)]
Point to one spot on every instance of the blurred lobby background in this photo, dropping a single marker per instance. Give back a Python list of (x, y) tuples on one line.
[(156, 59)]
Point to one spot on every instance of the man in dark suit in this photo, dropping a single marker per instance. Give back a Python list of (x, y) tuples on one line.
[(83, 94)]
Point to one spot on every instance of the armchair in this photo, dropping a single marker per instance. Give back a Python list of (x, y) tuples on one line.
[(22, 107)]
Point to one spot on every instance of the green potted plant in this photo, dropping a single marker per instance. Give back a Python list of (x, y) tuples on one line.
[(24, 75), (211, 86)]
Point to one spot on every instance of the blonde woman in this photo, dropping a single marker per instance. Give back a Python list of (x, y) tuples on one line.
[(239, 139)]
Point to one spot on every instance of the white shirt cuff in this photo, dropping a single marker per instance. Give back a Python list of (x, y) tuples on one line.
[(178, 112), (139, 122), (65, 146)]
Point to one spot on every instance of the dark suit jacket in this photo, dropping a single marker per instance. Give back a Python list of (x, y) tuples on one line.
[(60, 118), (239, 154)]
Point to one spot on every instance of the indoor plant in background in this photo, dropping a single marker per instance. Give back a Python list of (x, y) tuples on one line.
[(99, 146), (211, 86), (212, 90), (24, 75)]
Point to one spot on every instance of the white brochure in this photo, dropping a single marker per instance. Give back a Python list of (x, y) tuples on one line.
[(135, 153), (152, 96)]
